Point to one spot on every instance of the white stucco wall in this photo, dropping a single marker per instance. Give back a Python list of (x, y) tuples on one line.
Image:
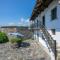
[(55, 24)]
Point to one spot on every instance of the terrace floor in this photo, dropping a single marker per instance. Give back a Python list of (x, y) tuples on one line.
[(29, 50)]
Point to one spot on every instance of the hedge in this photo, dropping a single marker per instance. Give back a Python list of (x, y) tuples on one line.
[(3, 37)]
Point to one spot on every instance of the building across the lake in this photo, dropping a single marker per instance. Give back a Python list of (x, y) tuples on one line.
[(45, 24), (9, 29), (17, 29)]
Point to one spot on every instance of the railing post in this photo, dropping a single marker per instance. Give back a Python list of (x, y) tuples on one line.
[(55, 51)]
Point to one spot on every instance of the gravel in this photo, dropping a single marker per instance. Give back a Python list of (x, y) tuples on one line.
[(29, 50)]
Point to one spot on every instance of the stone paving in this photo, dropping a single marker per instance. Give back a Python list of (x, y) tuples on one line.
[(29, 50)]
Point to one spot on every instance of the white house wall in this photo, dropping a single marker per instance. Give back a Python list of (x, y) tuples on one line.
[(55, 24)]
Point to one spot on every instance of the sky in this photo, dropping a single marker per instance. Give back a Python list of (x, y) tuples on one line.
[(15, 12)]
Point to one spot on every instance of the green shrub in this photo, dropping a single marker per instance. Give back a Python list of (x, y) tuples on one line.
[(3, 37), (16, 40)]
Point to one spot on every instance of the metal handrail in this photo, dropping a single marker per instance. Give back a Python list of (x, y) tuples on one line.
[(51, 43), (49, 38)]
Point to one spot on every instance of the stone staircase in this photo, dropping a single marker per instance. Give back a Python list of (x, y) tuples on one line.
[(50, 42), (58, 52), (43, 52)]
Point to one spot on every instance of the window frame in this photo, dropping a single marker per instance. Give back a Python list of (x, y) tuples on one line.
[(53, 31), (43, 20), (54, 13)]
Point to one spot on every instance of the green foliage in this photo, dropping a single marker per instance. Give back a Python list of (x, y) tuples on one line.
[(16, 40), (3, 37)]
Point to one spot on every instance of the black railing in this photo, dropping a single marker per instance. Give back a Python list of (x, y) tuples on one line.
[(35, 26), (50, 40)]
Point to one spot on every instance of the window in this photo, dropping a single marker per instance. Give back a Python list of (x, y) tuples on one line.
[(43, 20), (54, 13), (53, 31)]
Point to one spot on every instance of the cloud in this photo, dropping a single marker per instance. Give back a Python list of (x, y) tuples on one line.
[(24, 22), (11, 24)]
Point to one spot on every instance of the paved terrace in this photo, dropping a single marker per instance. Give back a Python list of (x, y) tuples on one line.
[(29, 50)]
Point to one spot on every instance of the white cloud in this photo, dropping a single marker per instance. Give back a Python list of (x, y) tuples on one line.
[(11, 24), (24, 22)]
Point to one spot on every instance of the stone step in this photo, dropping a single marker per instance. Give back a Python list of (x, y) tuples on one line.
[(58, 52), (58, 48)]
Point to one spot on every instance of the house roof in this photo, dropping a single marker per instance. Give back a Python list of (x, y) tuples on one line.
[(39, 7)]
